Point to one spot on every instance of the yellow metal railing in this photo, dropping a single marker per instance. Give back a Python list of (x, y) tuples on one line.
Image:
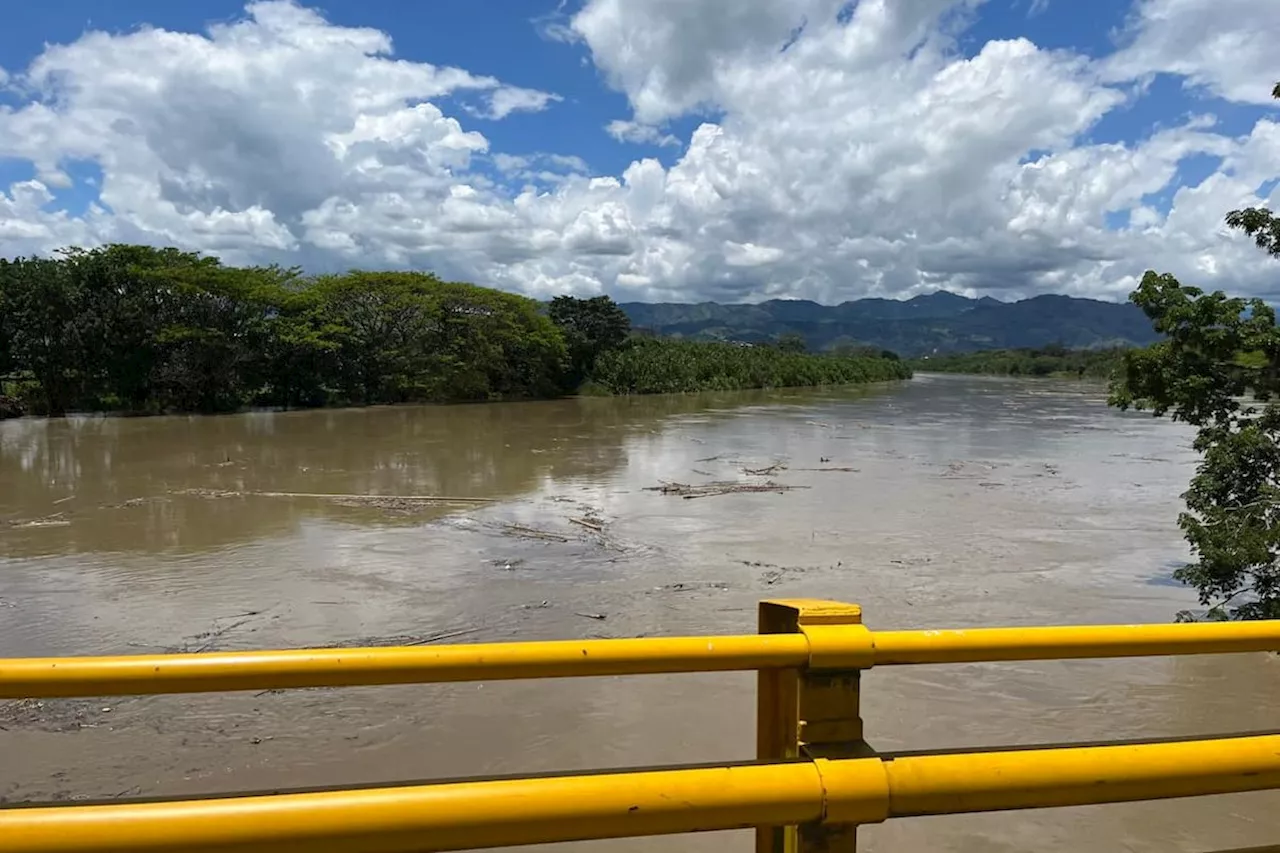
[(814, 781)]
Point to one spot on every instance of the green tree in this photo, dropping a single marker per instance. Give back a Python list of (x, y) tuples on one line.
[(128, 294), (792, 342), (10, 407), (106, 328), (379, 329), (1052, 360), (213, 339), (300, 352), (45, 319), (401, 337), (1259, 222), (6, 334), (590, 327), (664, 366), (1218, 369)]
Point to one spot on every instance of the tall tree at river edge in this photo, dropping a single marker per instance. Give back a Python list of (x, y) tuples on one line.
[(1218, 369)]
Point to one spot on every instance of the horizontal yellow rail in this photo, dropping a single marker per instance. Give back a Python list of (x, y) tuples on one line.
[(202, 673), (854, 645), (975, 645), (459, 816)]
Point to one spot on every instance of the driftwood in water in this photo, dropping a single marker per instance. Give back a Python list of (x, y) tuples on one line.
[(708, 490), (524, 531), (351, 499), (765, 472)]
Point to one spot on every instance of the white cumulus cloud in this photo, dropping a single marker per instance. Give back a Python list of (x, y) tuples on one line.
[(624, 130), (1227, 47), (510, 99), (871, 156)]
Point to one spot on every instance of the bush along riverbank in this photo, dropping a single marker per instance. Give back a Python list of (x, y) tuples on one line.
[(653, 366), (1047, 361), (141, 330)]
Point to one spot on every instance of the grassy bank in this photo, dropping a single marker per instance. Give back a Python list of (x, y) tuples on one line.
[(1047, 362), (653, 366)]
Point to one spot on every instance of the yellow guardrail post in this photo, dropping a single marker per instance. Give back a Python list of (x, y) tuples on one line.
[(813, 712)]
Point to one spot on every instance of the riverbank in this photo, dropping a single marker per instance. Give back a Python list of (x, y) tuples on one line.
[(589, 390), (1046, 362), (138, 330), (655, 366), (649, 367)]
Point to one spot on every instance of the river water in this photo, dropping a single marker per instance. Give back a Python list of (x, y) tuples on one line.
[(971, 502)]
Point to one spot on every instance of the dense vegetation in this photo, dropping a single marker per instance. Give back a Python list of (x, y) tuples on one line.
[(935, 322), (591, 327), (1218, 369), (652, 366), (144, 330), (1052, 360)]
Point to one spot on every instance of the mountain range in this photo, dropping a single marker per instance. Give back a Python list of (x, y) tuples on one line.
[(939, 322)]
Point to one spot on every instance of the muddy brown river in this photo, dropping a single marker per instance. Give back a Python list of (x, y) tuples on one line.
[(970, 502)]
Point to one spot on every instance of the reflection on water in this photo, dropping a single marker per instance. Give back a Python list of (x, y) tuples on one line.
[(106, 484), (970, 502)]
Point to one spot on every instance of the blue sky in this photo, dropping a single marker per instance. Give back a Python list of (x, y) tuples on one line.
[(503, 41), (502, 38), (1112, 70)]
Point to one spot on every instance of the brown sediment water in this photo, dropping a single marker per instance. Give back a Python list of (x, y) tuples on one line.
[(943, 502)]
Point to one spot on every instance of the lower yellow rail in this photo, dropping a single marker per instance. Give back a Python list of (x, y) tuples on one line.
[(203, 673), (458, 816)]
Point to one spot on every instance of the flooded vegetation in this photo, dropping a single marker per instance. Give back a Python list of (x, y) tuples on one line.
[(945, 502)]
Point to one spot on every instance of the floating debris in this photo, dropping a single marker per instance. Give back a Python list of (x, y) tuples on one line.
[(526, 532), (132, 502), (55, 520), (691, 586), (394, 640), (707, 490), (349, 500), (50, 715), (765, 472)]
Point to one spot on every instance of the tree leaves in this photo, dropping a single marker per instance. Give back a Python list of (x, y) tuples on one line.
[(649, 366), (590, 327), (147, 330), (1218, 369)]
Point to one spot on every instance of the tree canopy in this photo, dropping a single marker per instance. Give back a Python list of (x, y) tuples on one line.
[(145, 330), (1218, 369), (792, 342), (590, 327), (1052, 360), (657, 366)]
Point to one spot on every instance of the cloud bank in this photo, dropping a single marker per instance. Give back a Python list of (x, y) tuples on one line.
[(871, 156)]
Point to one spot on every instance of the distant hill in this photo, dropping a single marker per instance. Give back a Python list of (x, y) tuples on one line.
[(938, 322)]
